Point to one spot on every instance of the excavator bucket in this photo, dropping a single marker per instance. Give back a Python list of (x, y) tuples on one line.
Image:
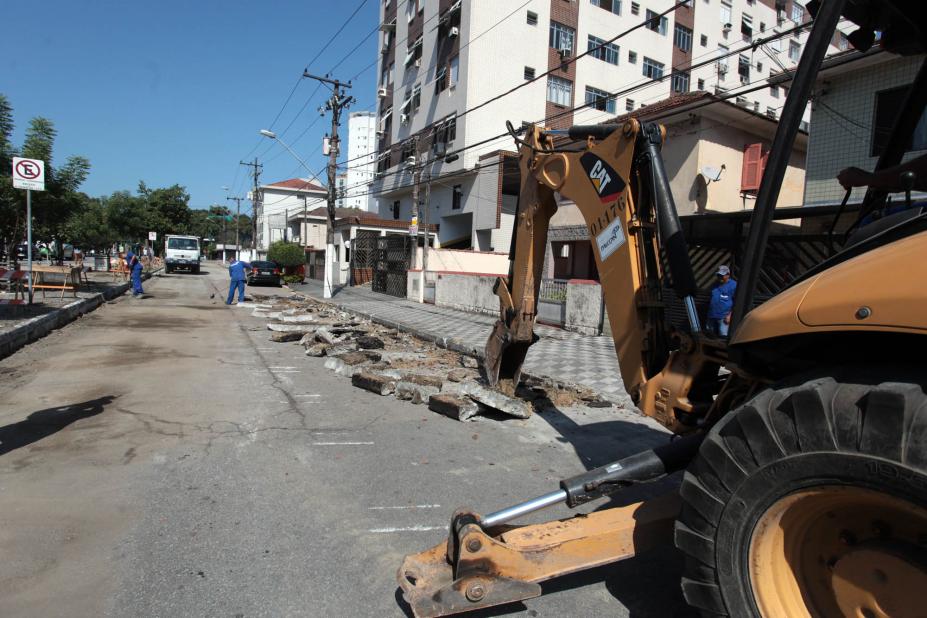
[(503, 358), (479, 567)]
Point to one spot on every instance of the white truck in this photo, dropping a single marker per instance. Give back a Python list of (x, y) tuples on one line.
[(181, 252)]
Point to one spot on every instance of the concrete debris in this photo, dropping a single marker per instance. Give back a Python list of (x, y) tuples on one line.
[(305, 318), (423, 380), (459, 374), (290, 328), (498, 402), (286, 336), (416, 393), (374, 382), (368, 342), (386, 361), (458, 408), (317, 349)]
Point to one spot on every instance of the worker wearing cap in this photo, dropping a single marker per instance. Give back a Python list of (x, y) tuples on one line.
[(135, 267), (238, 277), (722, 303)]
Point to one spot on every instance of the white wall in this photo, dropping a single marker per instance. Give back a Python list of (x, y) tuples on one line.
[(361, 152), (838, 138), (277, 204)]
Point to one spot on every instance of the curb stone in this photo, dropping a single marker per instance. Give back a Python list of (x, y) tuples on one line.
[(39, 326)]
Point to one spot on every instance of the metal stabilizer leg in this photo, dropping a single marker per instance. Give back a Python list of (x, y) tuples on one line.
[(486, 563)]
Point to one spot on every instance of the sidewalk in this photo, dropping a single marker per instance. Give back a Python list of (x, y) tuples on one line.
[(559, 354)]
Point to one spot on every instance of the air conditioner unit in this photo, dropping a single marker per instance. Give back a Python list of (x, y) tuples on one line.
[(381, 134), (454, 32), (410, 161), (726, 28), (564, 53), (403, 118), (382, 93), (722, 68), (418, 62)]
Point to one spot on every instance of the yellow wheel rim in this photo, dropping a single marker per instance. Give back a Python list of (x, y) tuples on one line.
[(840, 551)]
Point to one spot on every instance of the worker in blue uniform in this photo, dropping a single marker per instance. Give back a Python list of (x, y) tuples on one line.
[(237, 270), (722, 303), (135, 267)]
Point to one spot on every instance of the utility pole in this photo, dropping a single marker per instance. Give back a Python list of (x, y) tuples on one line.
[(255, 202), (237, 200), (336, 103), (414, 226)]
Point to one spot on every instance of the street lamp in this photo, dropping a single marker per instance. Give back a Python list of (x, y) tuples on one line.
[(330, 242)]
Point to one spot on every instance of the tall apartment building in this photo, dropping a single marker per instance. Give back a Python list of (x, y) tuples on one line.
[(362, 146), (440, 60)]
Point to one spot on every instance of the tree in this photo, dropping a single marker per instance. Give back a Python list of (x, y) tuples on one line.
[(286, 253), (89, 227)]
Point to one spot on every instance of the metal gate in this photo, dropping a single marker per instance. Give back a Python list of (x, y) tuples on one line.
[(363, 256), (392, 263)]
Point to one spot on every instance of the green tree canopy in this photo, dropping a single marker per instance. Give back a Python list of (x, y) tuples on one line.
[(286, 253)]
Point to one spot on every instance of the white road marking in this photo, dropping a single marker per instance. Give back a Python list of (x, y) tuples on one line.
[(281, 367), (342, 443), (418, 528), (413, 506)]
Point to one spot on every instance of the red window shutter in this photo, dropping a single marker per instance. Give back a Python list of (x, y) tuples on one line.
[(751, 173)]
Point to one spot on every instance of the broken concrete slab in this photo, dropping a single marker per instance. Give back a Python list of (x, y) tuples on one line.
[(374, 382), (369, 342), (458, 408), (318, 349), (285, 337), (290, 328), (497, 401), (323, 335), (304, 318), (460, 374), (416, 393), (423, 380)]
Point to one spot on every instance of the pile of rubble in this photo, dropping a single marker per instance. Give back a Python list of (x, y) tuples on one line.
[(389, 362)]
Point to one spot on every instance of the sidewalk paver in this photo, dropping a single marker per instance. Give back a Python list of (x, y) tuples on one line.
[(559, 354)]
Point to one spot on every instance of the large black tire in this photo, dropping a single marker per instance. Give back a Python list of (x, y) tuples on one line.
[(847, 430)]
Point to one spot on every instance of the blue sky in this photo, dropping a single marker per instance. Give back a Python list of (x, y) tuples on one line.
[(175, 92)]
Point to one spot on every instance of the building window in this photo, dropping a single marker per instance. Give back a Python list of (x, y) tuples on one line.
[(445, 132), (414, 52), (701, 84), (629, 105), (746, 27), (798, 13), (774, 92), (751, 173), (559, 91), (561, 37), (455, 67), (532, 18), (722, 57), (600, 100), (888, 106), (396, 209), (762, 27), (703, 40), (794, 51), (680, 81), (598, 48), (759, 67), (440, 79), (682, 37), (743, 69), (632, 57), (656, 23), (416, 97), (635, 8), (609, 5), (843, 43), (652, 68), (407, 151), (726, 18), (456, 197), (529, 73)]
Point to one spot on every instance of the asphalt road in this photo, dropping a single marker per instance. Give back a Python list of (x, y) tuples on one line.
[(160, 457)]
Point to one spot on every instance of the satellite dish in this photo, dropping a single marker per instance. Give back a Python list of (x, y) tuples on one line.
[(712, 174)]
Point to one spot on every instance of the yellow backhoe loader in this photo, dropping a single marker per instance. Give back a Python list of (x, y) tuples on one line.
[(803, 439)]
